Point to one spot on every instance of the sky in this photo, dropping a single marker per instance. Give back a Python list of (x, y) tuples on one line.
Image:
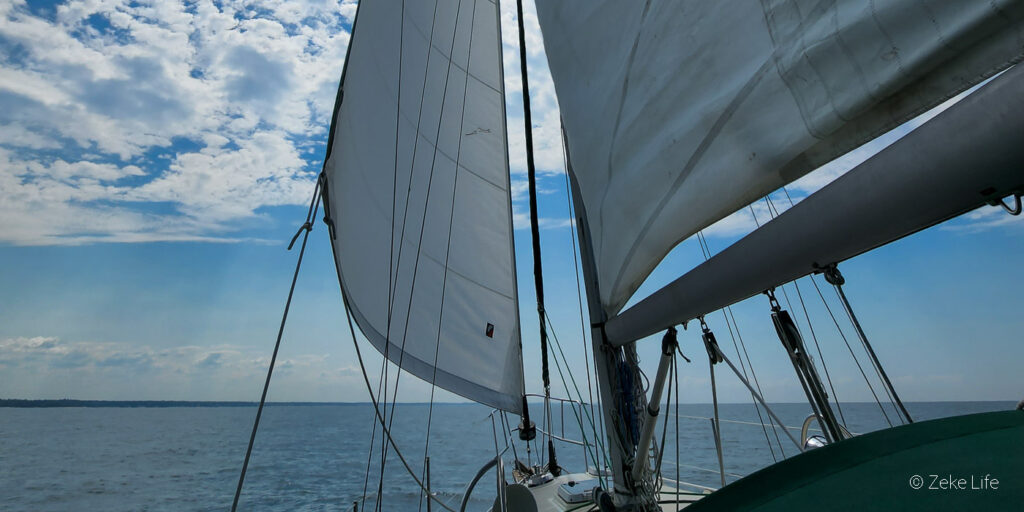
[(157, 157)]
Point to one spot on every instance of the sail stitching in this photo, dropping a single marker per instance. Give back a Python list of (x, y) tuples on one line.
[(705, 143), (419, 245), (451, 218), (618, 113), (379, 504)]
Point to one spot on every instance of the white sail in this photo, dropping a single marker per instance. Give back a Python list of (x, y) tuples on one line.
[(426, 207), (947, 167), (679, 113)]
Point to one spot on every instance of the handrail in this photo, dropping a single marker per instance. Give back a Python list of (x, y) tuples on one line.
[(740, 422), (479, 474), (695, 486), (807, 426), (698, 468), (563, 439), (535, 395)]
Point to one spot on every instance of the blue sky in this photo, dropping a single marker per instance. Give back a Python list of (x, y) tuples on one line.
[(155, 159)]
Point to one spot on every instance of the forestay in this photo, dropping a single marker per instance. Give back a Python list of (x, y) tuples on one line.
[(424, 208), (680, 113)]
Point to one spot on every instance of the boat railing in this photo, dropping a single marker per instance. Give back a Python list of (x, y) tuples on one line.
[(496, 461), (562, 401), (741, 422), (561, 436)]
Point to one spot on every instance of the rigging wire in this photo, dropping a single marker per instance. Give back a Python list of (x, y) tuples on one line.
[(842, 335), (376, 409), (706, 251), (774, 430), (451, 219), (373, 434), (713, 349), (314, 207), (598, 444), (758, 396), (419, 244), (834, 277), (378, 503), (809, 386), (675, 378), (587, 354), (810, 326), (538, 272), (579, 421)]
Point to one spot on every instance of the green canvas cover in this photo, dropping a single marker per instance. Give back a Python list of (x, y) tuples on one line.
[(972, 462)]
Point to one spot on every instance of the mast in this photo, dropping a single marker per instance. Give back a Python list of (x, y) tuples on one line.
[(604, 354), (538, 271)]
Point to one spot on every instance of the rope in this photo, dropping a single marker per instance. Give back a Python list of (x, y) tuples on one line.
[(314, 207), (713, 358), (870, 351), (675, 379), (759, 398), (376, 410), (856, 360), (587, 354), (810, 326), (774, 430), (598, 442), (392, 285), (373, 437), (558, 367), (419, 244), (538, 269), (706, 250), (448, 246), (845, 341)]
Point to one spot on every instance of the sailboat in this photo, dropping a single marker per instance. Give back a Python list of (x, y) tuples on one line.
[(675, 115)]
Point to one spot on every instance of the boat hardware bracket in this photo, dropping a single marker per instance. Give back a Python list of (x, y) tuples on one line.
[(710, 342), (832, 274), (772, 301), (1016, 209), (322, 179)]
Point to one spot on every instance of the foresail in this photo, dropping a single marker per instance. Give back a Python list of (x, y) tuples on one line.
[(422, 213), (679, 113)]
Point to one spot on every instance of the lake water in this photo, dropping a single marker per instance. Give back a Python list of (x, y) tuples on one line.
[(314, 457)]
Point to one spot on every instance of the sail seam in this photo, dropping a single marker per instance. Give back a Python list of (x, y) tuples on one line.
[(618, 115), (709, 139), (466, 277), (461, 165)]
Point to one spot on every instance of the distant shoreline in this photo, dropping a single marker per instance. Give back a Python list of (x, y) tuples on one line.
[(66, 402)]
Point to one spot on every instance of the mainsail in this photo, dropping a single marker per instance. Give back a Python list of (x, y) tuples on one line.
[(418, 192), (679, 113)]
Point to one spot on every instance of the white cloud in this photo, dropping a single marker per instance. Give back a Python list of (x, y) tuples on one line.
[(44, 365), (87, 98), (216, 109), (547, 137)]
